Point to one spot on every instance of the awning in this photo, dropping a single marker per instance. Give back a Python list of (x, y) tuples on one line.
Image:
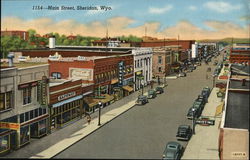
[(67, 101), (94, 101), (219, 109), (128, 88), (113, 81)]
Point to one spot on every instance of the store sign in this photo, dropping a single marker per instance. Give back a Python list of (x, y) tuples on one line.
[(67, 95), (6, 125), (82, 73), (121, 69), (27, 85), (42, 91)]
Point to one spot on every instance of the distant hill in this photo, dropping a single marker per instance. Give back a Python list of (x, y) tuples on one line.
[(227, 40)]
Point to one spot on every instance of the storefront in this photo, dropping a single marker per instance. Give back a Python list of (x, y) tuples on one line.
[(65, 111), (7, 141)]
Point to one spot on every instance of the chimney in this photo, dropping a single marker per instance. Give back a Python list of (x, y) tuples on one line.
[(52, 42), (10, 59), (243, 82)]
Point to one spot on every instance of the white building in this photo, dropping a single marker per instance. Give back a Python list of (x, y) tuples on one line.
[(194, 50), (142, 66)]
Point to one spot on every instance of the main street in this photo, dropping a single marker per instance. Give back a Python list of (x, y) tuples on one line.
[(143, 131)]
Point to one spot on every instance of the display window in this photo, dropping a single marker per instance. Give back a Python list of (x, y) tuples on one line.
[(4, 143), (24, 134)]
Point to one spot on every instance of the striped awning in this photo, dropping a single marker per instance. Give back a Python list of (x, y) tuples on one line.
[(67, 101)]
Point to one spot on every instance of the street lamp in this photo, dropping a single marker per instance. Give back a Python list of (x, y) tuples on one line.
[(213, 80), (142, 83), (193, 109), (99, 118)]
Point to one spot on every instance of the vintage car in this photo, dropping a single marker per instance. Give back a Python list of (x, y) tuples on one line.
[(173, 151), (141, 100), (184, 132), (159, 90), (152, 93), (201, 99), (182, 74)]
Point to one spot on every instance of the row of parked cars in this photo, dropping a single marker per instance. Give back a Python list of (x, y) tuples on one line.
[(152, 93), (175, 150), (196, 109), (218, 69)]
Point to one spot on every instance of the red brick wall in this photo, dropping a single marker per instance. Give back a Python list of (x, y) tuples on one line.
[(63, 66), (185, 44)]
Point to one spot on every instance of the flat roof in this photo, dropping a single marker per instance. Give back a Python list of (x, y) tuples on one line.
[(237, 84), (240, 69), (22, 64), (237, 112)]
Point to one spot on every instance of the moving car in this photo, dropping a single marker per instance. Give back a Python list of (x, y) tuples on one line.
[(151, 93), (184, 132), (159, 90), (182, 74), (142, 100), (173, 151)]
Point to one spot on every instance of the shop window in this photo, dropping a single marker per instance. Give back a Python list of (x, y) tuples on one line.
[(27, 116), (27, 95), (24, 134), (42, 127), (56, 75), (4, 143), (21, 118), (5, 101)]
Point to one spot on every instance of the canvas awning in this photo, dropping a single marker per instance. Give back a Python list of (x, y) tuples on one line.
[(113, 81), (67, 101), (128, 88)]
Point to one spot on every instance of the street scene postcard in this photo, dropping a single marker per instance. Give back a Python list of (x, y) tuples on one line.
[(125, 79)]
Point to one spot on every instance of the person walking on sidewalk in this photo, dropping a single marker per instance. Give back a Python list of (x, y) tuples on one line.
[(88, 119)]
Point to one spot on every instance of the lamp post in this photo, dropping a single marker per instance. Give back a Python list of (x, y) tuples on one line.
[(142, 83), (213, 80), (99, 118), (193, 121)]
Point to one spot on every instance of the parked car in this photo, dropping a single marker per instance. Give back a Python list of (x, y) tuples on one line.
[(159, 90), (142, 100), (173, 151), (206, 92), (196, 112), (151, 93), (182, 74), (201, 99), (184, 132), (199, 105)]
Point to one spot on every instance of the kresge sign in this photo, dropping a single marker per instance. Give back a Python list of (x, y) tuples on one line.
[(67, 95)]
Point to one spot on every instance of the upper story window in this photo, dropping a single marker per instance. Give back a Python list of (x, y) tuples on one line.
[(5, 101), (138, 63), (57, 75), (141, 62), (159, 59), (27, 95), (160, 69)]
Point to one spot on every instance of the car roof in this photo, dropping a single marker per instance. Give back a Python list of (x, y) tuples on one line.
[(183, 126), (173, 143)]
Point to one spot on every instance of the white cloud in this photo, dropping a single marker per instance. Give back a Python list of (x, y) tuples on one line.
[(221, 6), (156, 10), (192, 8)]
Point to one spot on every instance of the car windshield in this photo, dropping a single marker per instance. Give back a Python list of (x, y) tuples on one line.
[(172, 147), (170, 155)]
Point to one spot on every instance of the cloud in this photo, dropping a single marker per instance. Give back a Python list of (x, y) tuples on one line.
[(118, 26), (221, 6), (192, 8), (155, 10)]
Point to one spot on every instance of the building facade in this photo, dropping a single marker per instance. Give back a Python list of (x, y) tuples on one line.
[(143, 58), (24, 110), (240, 53), (21, 34)]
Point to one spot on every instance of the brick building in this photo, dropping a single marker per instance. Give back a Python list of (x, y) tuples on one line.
[(101, 71), (66, 102), (21, 34), (185, 44), (240, 53)]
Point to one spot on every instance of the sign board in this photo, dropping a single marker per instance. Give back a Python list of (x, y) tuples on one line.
[(7, 125), (121, 69), (67, 95), (42, 91), (82, 73)]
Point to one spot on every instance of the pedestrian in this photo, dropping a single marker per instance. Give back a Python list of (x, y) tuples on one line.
[(88, 119)]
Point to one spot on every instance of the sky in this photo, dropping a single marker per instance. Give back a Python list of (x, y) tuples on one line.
[(190, 19)]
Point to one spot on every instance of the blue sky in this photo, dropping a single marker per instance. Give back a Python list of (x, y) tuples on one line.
[(160, 16)]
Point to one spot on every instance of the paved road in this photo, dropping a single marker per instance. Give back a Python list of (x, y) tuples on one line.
[(143, 131)]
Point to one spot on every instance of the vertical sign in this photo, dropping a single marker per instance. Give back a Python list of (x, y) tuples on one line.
[(42, 92), (121, 73)]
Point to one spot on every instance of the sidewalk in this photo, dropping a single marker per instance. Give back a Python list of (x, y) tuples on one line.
[(56, 142), (204, 144)]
